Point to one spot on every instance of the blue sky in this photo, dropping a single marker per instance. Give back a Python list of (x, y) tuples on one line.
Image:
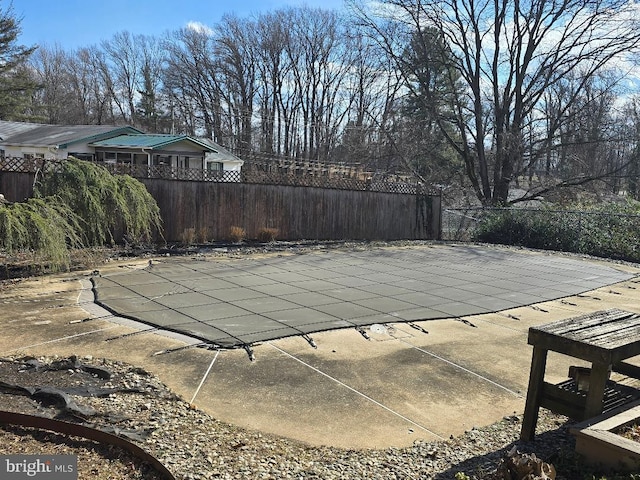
[(73, 24)]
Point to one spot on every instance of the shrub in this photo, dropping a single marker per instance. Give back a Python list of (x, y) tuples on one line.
[(45, 227), (80, 205), (104, 202), (604, 230), (237, 234), (188, 236), (267, 235), (202, 235)]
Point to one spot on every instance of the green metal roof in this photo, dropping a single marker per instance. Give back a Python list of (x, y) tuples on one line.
[(127, 130), (151, 141)]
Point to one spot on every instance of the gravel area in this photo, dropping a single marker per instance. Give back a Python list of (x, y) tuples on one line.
[(136, 405)]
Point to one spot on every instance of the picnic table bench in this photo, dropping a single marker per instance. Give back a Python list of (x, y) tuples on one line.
[(605, 339)]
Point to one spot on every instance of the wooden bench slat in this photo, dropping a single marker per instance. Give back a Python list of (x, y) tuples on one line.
[(627, 369), (576, 324), (617, 338), (600, 336)]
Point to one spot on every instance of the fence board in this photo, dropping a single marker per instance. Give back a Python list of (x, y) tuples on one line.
[(16, 186)]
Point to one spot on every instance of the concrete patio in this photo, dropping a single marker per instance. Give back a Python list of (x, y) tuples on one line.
[(432, 340)]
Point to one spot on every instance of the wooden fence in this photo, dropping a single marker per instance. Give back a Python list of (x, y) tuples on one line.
[(309, 209), (211, 209)]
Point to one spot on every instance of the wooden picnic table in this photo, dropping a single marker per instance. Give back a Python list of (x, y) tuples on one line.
[(605, 339)]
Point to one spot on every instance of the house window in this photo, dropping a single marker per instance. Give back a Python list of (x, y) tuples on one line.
[(140, 159), (214, 166), (109, 157), (31, 156), (162, 159), (124, 157), (82, 156)]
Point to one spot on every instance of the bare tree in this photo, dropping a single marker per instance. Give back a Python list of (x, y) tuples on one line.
[(151, 106), (510, 54), (93, 86), (320, 61), (74, 87), (272, 67), (365, 89), (54, 96), (234, 51), (192, 84), (132, 64)]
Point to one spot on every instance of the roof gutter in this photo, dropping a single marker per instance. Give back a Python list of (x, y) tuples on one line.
[(143, 149)]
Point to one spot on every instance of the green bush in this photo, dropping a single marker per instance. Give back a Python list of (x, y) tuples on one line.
[(106, 203), (604, 230), (43, 227), (81, 205)]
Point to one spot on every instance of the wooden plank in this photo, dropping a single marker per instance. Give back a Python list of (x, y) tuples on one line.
[(606, 449), (597, 342), (572, 348), (597, 384), (576, 324), (598, 335), (586, 317), (622, 352), (626, 338), (627, 369), (534, 393), (628, 332)]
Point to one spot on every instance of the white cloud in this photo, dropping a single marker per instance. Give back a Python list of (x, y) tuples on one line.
[(199, 27)]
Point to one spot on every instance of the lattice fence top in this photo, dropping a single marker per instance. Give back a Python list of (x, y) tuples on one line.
[(21, 165), (256, 173)]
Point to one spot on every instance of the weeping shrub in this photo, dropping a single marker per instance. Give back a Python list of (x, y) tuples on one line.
[(44, 227), (79, 205), (139, 210), (105, 203)]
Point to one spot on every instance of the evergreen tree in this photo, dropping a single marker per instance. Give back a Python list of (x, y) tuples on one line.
[(147, 107), (433, 90), (16, 83)]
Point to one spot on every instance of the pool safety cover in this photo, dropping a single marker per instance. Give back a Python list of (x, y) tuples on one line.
[(237, 302)]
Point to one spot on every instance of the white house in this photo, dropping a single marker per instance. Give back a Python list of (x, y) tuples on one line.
[(54, 141), (220, 158), (175, 151), (115, 145)]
